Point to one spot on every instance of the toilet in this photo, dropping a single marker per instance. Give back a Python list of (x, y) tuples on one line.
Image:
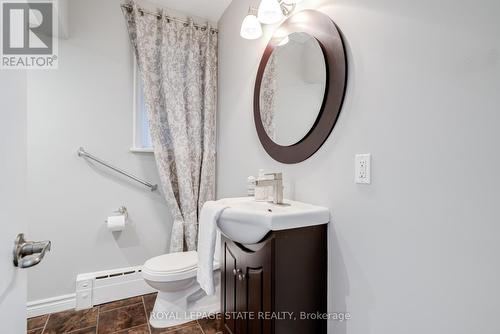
[(180, 298)]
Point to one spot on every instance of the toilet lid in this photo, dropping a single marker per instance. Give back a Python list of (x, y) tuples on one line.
[(173, 262)]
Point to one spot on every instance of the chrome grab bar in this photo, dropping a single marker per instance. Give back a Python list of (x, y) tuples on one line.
[(82, 153)]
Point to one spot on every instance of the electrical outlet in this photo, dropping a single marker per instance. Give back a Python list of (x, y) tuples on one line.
[(362, 168)]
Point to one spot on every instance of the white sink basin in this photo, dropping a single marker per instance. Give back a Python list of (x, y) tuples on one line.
[(247, 221)]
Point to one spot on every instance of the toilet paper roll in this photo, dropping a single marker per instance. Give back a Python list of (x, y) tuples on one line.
[(116, 223)]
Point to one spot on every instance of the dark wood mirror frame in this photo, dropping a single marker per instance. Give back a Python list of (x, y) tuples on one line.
[(321, 27)]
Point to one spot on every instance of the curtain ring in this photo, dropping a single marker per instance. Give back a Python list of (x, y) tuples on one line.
[(163, 15)]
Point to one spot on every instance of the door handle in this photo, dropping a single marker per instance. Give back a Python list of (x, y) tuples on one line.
[(29, 253)]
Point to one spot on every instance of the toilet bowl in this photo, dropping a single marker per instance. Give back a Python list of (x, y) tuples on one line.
[(180, 298)]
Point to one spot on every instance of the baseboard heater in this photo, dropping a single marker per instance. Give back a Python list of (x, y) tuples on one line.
[(111, 285)]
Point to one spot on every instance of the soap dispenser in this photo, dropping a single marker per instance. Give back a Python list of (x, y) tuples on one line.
[(251, 186)]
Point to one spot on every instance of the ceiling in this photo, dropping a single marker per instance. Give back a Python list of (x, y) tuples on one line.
[(208, 9)]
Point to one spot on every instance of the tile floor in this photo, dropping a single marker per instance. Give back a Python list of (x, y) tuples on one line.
[(128, 316)]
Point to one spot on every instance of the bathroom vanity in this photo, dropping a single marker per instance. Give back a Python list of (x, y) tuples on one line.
[(274, 267)]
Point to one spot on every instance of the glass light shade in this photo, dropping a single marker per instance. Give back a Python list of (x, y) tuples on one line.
[(284, 41), (251, 28), (270, 12)]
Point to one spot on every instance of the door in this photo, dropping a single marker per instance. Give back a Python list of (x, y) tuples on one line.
[(13, 105), (13, 160)]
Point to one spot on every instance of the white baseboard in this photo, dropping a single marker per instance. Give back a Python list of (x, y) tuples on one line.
[(51, 305)]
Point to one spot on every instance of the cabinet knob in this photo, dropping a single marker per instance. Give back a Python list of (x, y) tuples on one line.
[(239, 273)]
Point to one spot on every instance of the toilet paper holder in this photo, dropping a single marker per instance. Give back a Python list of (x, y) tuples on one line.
[(122, 210)]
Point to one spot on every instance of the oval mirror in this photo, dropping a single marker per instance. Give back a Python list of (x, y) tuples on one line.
[(293, 88), (300, 86)]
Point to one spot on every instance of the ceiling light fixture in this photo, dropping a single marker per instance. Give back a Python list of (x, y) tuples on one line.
[(268, 12), (251, 28)]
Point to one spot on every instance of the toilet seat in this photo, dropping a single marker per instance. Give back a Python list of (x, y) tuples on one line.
[(172, 267)]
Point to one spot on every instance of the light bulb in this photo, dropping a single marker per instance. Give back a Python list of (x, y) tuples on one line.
[(251, 28), (270, 12)]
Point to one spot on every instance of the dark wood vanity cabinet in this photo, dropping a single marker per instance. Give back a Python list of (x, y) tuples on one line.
[(266, 287)]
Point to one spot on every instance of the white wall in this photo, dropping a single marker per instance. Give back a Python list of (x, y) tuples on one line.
[(416, 251), (88, 102)]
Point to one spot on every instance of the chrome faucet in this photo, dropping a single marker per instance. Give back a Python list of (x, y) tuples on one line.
[(277, 183)]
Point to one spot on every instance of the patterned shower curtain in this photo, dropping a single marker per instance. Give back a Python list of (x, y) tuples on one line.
[(178, 66)]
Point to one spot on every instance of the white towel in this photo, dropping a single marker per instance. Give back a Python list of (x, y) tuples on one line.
[(207, 232)]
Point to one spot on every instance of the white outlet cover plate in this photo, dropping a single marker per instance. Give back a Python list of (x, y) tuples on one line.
[(362, 168)]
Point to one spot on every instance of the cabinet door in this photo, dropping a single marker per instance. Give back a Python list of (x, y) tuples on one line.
[(234, 290), (229, 294), (246, 289), (258, 289)]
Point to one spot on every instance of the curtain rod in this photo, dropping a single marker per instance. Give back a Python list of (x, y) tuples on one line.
[(129, 8)]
